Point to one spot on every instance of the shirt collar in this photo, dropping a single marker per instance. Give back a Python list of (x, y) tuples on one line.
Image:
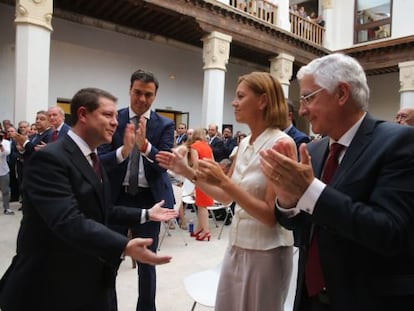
[(146, 114), (83, 146), (349, 135)]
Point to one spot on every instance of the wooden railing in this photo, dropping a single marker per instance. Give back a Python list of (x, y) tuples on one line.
[(259, 8), (306, 29)]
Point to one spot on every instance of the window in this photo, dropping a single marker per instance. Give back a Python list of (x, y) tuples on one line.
[(372, 20)]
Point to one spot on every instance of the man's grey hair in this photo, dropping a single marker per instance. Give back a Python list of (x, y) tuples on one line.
[(328, 71)]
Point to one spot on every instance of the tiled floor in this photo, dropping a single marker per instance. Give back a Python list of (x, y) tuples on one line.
[(171, 295)]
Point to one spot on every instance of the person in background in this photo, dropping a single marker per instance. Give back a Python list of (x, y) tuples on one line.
[(66, 253), (56, 117), (32, 131), (405, 116), (4, 173), (350, 199), (136, 179), (239, 138), (13, 160), (260, 250), (228, 142), (215, 142), (190, 133), (200, 149), (298, 136), (181, 134)]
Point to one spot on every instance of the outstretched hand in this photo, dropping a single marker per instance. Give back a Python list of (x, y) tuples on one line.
[(159, 213), (138, 249), (174, 161), (211, 172)]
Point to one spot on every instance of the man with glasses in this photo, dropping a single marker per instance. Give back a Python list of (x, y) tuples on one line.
[(350, 199), (405, 116)]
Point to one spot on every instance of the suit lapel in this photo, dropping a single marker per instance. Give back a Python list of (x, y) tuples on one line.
[(83, 166), (359, 143)]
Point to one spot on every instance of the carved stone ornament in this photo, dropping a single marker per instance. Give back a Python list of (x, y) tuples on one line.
[(216, 50), (406, 76), (35, 12), (282, 68)]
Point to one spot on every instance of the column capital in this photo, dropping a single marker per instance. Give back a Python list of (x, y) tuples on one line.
[(35, 12), (216, 50), (406, 76), (327, 4), (281, 67)]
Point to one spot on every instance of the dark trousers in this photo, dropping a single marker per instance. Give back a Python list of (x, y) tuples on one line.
[(147, 280)]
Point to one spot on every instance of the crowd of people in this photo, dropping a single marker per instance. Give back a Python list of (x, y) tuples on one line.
[(344, 199)]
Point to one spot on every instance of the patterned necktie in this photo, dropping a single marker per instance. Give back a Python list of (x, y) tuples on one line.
[(55, 135), (134, 165), (95, 165), (313, 272)]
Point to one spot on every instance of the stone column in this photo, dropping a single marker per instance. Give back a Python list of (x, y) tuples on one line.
[(407, 84), (216, 51), (329, 18), (33, 28), (281, 67), (282, 16)]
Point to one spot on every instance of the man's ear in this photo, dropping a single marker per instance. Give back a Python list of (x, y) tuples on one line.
[(343, 92)]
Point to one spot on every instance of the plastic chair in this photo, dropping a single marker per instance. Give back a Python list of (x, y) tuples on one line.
[(202, 287), (178, 199), (188, 194), (219, 206)]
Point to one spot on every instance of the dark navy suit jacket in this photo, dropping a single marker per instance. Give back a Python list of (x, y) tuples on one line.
[(365, 218), (298, 136), (160, 133)]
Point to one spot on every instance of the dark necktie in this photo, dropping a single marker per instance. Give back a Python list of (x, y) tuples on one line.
[(95, 165), (313, 272), (134, 165), (55, 135)]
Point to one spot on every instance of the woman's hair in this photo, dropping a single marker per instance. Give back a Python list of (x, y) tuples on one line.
[(276, 112), (198, 134)]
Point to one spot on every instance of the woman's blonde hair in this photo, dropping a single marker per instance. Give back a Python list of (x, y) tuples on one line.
[(276, 112)]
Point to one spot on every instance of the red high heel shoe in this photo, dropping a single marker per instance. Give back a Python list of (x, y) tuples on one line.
[(195, 234), (204, 236)]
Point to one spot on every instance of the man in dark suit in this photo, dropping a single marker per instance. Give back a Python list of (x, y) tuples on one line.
[(136, 178), (66, 254), (298, 136), (228, 142), (56, 117), (39, 140), (215, 142), (181, 134), (354, 224)]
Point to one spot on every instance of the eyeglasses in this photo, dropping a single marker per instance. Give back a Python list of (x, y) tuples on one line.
[(401, 116), (306, 99)]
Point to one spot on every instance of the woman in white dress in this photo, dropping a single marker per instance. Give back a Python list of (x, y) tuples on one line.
[(257, 265)]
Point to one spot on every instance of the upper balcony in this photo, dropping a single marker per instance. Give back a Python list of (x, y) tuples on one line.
[(252, 24)]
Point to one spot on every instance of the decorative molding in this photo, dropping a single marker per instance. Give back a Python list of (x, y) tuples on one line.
[(216, 50), (281, 67), (35, 12), (406, 76)]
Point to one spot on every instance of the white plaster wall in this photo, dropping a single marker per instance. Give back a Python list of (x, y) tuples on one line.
[(342, 22), (402, 18)]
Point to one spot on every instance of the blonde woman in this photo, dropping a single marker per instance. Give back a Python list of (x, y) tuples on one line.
[(258, 262)]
